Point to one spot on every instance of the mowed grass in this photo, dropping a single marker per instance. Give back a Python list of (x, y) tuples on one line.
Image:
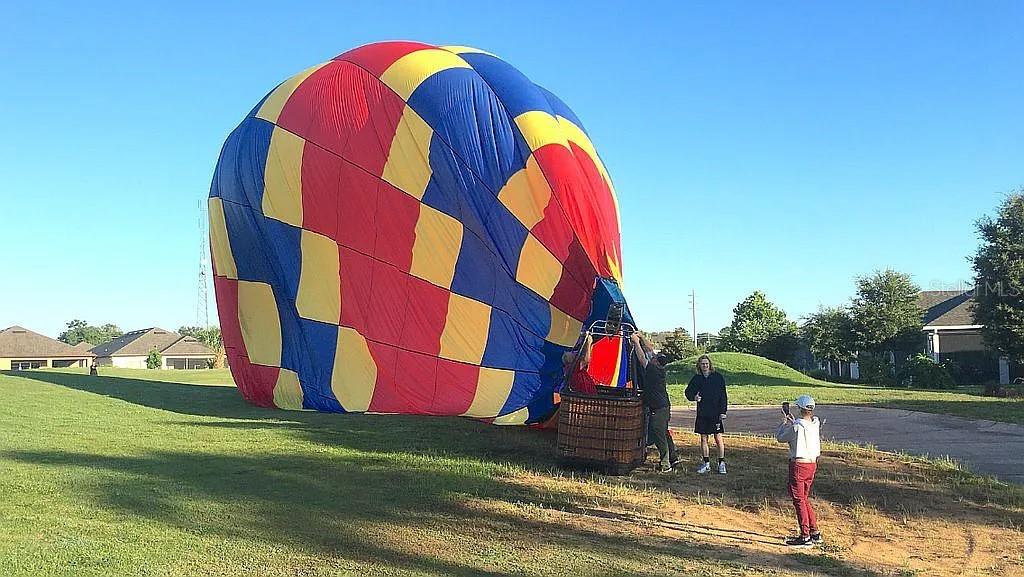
[(198, 376), (112, 475), (754, 380)]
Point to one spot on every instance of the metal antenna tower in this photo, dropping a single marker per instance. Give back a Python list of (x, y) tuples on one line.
[(202, 309), (693, 312)]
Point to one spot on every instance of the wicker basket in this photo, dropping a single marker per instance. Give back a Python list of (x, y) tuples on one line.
[(605, 433)]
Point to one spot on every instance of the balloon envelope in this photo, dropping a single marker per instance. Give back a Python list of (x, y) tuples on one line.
[(411, 229)]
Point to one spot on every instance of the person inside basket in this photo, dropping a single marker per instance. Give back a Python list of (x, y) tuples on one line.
[(575, 370), (707, 387), (656, 402), (803, 434)]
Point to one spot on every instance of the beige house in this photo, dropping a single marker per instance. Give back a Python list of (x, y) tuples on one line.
[(22, 349), (131, 350)]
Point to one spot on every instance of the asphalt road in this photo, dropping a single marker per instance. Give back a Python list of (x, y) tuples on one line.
[(986, 447)]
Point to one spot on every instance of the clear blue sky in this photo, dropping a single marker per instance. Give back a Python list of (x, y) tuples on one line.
[(786, 147)]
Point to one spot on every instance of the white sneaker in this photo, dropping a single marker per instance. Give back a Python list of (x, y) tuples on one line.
[(721, 468), (704, 468)]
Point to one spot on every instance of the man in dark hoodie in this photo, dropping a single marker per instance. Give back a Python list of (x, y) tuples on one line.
[(707, 388)]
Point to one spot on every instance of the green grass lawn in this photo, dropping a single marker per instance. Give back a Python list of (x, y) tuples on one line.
[(138, 475), (753, 380), (199, 376)]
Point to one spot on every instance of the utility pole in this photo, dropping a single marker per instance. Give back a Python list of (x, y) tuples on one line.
[(202, 308), (693, 314)]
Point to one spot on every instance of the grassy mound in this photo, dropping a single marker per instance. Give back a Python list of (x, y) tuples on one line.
[(754, 380), (743, 369)]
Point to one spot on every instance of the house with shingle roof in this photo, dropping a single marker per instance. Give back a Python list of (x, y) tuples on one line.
[(952, 334), (949, 322), (22, 349), (131, 350)]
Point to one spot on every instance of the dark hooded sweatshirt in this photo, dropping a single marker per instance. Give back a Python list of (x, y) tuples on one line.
[(713, 399)]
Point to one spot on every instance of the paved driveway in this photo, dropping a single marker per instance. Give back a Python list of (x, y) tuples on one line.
[(987, 447)]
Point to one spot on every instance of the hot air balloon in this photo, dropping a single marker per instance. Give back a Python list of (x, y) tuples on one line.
[(415, 229)]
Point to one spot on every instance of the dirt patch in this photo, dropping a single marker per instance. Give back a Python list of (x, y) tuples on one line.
[(881, 514)]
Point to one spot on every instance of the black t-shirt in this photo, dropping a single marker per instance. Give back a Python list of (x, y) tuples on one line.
[(655, 393)]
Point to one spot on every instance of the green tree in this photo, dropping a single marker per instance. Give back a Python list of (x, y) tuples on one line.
[(79, 331), (829, 335), (721, 344), (999, 278), (679, 345), (154, 360), (110, 332), (760, 328), (885, 313), (209, 336)]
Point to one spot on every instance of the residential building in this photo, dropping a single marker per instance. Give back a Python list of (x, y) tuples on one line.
[(22, 349), (954, 337), (132, 349)]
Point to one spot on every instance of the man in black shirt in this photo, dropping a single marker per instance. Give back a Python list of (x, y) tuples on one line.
[(656, 402)]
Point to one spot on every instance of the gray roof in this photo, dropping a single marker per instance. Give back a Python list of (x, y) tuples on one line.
[(947, 308), (141, 342), (20, 342)]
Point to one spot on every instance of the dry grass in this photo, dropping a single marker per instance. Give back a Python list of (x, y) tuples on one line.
[(882, 513)]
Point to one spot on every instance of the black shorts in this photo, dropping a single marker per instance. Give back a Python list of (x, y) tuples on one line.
[(708, 426)]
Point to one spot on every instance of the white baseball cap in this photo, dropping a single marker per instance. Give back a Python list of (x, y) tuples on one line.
[(805, 402)]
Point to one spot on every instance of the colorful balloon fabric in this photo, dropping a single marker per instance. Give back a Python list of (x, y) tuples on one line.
[(410, 229)]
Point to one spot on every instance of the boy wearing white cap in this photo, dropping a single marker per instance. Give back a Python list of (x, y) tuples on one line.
[(803, 435)]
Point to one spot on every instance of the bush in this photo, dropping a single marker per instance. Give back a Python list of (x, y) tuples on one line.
[(876, 370), (955, 371), (971, 367), (920, 371), (154, 360), (678, 345)]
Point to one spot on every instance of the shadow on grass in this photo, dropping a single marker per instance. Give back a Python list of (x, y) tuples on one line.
[(187, 399), (527, 448), (390, 473), (437, 516), (398, 476), (454, 436)]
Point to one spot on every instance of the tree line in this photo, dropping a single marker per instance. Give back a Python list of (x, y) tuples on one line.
[(883, 320), (79, 331)]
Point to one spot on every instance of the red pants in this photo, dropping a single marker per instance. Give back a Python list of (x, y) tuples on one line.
[(801, 476)]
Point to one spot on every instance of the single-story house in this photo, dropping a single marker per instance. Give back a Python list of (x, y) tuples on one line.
[(952, 335), (22, 349), (131, 350)]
